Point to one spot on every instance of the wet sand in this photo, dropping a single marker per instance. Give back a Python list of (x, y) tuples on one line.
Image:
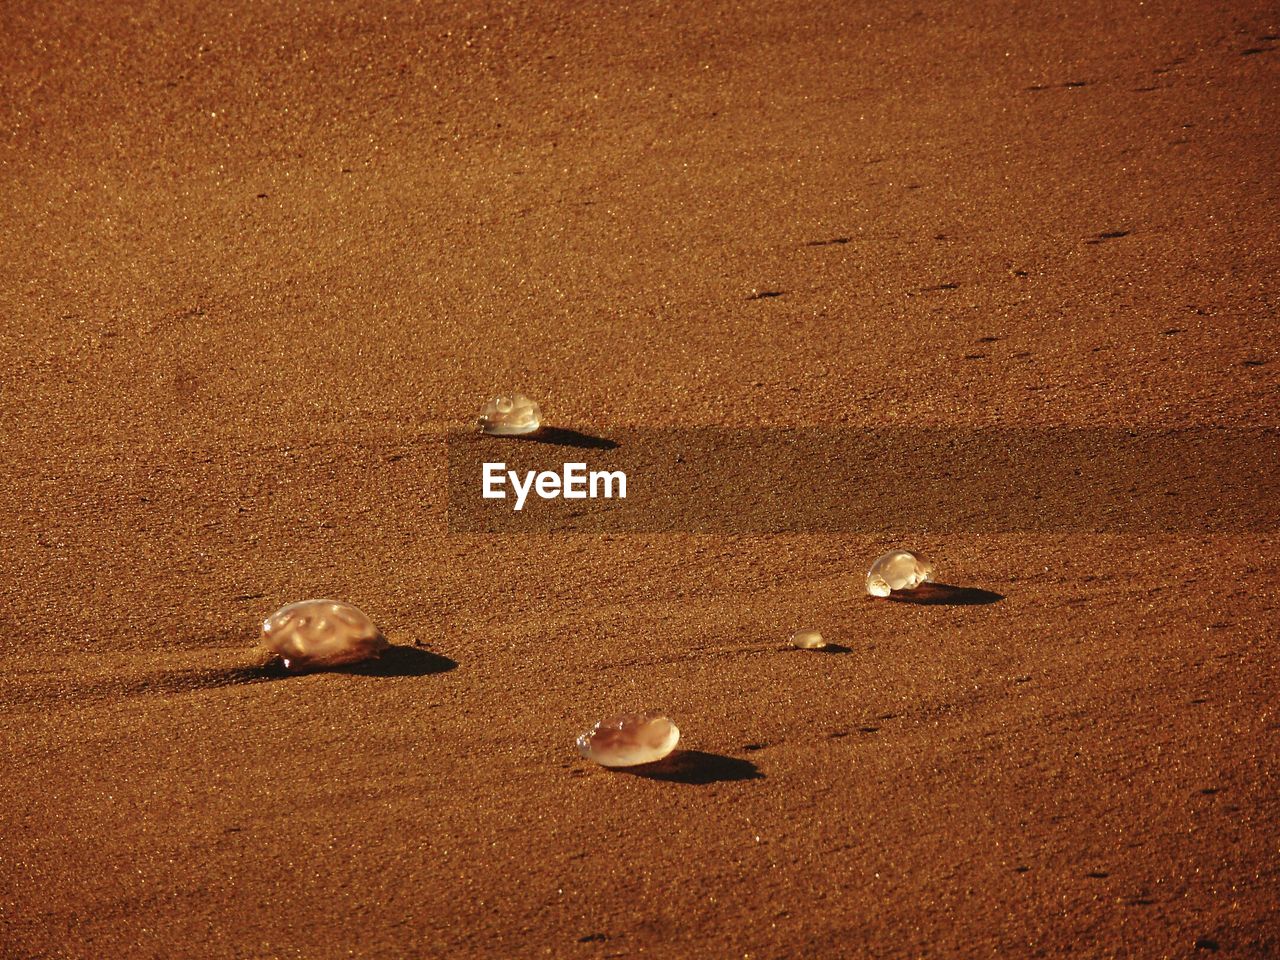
[(260, 260)]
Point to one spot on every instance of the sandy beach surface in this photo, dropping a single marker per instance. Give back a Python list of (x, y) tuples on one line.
[(258, 260)]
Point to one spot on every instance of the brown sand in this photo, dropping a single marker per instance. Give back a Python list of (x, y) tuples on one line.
[(257, 260)]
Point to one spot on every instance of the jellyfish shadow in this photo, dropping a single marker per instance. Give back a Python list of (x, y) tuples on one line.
[(696, 767), (564, 437), (932, 594), (402, 662), (393, 662)]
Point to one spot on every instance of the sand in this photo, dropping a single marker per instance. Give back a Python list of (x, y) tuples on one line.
[(259, 260)]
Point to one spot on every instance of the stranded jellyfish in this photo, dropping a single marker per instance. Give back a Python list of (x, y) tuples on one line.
[(808, 640), (629, 740), (312, 634), (897, 570), (510, 416)]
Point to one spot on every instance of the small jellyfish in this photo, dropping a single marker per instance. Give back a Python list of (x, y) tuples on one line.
[(897, 570), (629, 740), (808, 640), (510, 416), (312, 634)]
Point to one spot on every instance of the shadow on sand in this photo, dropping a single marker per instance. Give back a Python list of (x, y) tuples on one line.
[(946, 594), (394, 662), (403, 662), (564, 437), (696, 767)]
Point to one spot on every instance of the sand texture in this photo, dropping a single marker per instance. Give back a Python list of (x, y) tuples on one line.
[(259, 260)]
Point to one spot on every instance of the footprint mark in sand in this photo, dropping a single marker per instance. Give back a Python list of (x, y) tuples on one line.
[(867, 728), (1139, 901), (841, 734), (1070, 84)]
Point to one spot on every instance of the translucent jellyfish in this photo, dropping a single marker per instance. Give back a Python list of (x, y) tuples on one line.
[(897, 570), (808, 640), (312, 634), (510, 416), (629, 740)]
